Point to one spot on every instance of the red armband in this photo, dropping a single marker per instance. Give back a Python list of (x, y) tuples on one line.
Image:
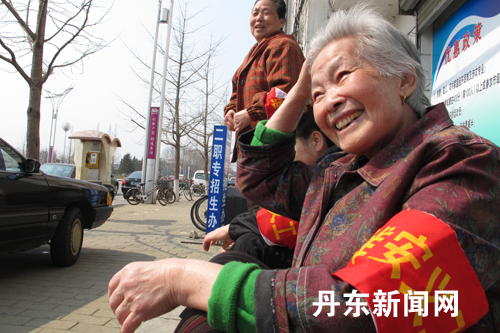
[(417, 277), (277, 229), (274, 99)]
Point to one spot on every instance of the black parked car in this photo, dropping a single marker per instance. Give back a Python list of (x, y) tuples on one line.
[(38, 208), (59, 169), (133, 180), (69, 170)]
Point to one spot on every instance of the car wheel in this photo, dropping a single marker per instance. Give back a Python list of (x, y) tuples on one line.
[(66, 245)]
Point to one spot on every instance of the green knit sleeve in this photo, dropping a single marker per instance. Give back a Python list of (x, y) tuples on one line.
[(231, 306), (263, 135)]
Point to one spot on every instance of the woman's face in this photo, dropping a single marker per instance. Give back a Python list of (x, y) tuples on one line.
[(264, 20), (354, 105)]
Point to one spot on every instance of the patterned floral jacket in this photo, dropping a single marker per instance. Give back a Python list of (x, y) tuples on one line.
[(434, 167)]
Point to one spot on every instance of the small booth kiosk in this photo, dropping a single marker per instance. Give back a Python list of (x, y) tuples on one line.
[(94, 151)]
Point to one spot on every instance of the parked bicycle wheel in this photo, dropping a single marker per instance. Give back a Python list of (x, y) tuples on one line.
[(198, 190), (170, 195), (187, 194), (199, 213), (134, 196), (161, 197)]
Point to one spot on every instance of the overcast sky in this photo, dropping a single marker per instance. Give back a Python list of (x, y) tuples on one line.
[(95, 100)]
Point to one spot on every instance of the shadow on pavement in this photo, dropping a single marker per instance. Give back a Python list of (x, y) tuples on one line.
[(34, 292)]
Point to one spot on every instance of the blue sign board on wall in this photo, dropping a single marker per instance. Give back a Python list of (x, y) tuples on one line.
[(219, 169), (466, 67)]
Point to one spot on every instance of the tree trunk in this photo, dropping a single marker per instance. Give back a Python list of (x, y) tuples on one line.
[(33, 128), (33, 112)]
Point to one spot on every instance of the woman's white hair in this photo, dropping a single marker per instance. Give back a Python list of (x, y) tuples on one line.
[(380, 43)]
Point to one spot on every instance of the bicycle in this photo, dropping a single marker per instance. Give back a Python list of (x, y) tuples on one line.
[(169, 195), (198, 190), (167, 189), (137, 195), (199, 212), (185, 190)]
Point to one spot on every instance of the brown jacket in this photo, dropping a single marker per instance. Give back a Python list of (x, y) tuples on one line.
[(274, 62)]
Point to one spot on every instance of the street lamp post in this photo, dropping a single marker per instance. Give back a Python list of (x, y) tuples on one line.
[(66, 127), (155, 117), (167, 16), (53, 123)]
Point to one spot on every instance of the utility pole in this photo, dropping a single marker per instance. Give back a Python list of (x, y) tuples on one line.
[(152, 147)]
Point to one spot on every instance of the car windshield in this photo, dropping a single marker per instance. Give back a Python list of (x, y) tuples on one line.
[(58, 169), (136, 174)]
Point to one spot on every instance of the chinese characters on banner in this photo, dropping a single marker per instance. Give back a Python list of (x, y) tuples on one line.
[(386, 303), (219, 169), (466, 67), (413, 261), (153, 131)]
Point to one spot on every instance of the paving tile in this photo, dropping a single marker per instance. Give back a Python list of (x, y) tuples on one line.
[(49, 315), (86, 328), (18, 329), (34, 305), (14, 320), (51, 330), (79, 318), (106, 313), (9, 310), (55, 324)]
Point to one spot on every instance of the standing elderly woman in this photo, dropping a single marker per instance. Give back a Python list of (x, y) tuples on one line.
[(408, 214), (274, 62)]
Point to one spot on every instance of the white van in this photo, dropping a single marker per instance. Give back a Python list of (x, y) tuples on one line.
[(199, 177)]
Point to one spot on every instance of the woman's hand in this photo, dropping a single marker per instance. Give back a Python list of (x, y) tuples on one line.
[(229, 120), (241, 120), (145, 290), (218, 234)]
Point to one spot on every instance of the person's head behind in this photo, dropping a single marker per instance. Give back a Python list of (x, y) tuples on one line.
[(310, 142), (367, 81), (380, 43), (268, 16)]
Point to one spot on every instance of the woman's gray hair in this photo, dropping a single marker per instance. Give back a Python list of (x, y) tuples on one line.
[(380, 43)]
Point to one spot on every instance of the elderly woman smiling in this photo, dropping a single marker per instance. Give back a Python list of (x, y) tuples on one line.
[(401, 225)]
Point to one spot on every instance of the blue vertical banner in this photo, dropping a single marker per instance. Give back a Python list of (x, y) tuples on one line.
[(219, 170)]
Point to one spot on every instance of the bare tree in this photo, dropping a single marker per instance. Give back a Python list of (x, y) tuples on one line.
[(212, 101), (38, 42), (183, 74), (186, 60)]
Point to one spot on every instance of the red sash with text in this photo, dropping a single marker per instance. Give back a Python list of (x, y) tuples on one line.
[(277, 229), (274, 99), (417, 277)]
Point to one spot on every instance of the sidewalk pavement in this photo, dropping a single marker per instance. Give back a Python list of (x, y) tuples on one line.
[(37, 297)]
